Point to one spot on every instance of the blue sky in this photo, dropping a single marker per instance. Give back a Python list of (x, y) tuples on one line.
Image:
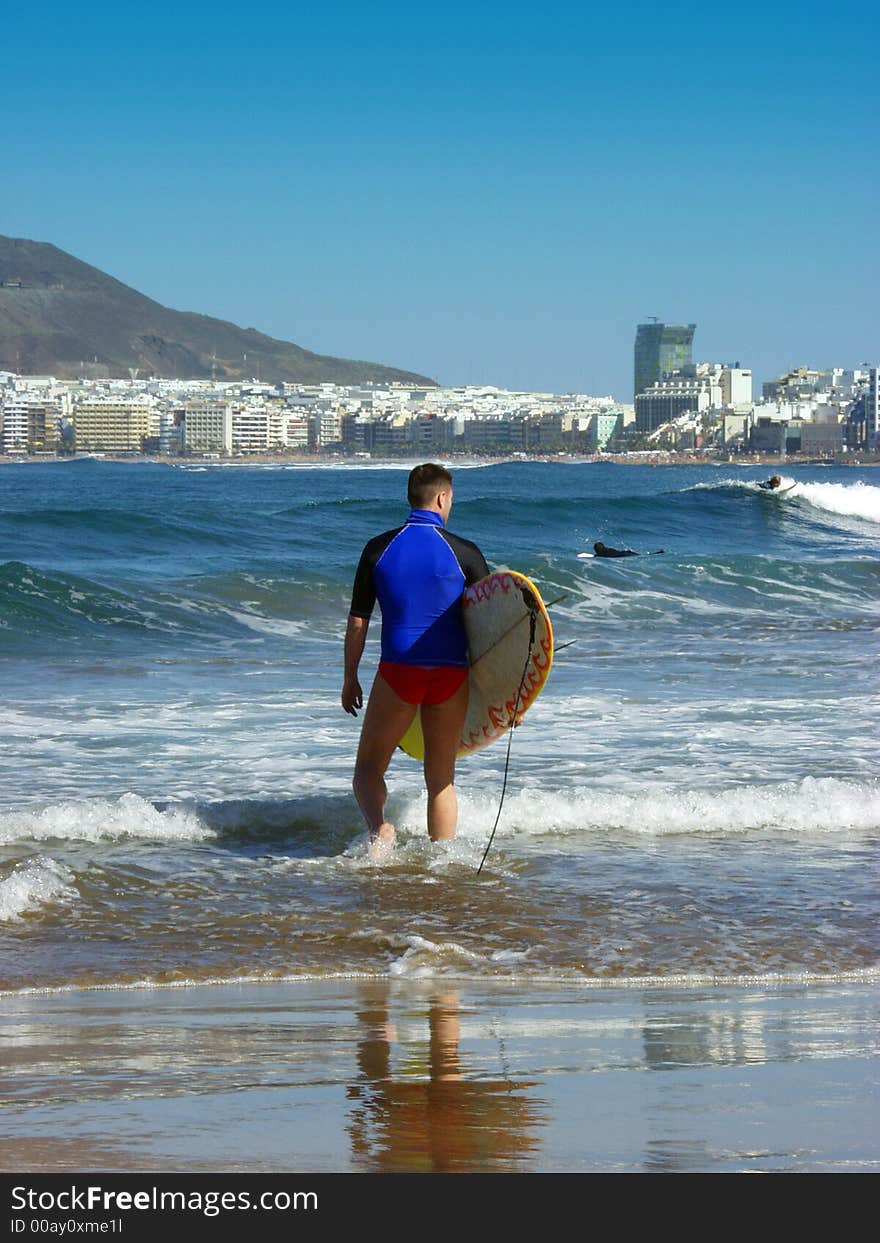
[(483, 192)]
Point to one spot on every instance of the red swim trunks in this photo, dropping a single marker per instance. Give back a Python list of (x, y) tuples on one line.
[(419, 684)]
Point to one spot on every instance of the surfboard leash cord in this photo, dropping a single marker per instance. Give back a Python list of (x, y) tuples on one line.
[(533, 622)]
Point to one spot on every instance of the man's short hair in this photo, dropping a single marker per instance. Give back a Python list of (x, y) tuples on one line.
[(425, 481)]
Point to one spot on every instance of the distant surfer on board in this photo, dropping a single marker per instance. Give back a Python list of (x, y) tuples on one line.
[(771, 484), (601, 550), (418, 573)]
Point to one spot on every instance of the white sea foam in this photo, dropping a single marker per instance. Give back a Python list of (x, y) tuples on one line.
[(562, 978), (412, 849), (37, 882), (270, 625), (813, 805), (851, 500), (94, 820), (423, 957)]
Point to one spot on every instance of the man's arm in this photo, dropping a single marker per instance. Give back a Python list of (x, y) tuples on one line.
[(363, 597), (355, 638)]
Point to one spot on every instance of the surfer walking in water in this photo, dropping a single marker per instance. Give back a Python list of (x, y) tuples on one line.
[(418, 572)]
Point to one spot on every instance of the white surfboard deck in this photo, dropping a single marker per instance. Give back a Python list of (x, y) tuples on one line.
[(506, 674)]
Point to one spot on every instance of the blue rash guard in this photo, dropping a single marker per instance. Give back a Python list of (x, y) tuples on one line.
[(418, 573)]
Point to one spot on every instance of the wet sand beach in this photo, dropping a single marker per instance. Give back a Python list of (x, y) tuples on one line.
[(378, 1075)]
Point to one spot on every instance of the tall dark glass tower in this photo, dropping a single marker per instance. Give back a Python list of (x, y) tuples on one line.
[(660, 348)]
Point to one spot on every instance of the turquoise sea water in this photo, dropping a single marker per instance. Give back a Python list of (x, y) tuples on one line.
[(694, 797)]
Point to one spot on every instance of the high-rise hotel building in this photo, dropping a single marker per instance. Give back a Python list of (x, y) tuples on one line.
[(110, 426), (660, 350), (207, 426)]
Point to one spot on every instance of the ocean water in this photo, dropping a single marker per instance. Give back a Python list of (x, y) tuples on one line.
[(694, 797)]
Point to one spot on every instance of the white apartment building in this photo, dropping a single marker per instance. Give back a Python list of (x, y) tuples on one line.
[(268, 427), (31, 382), (296, 426), (802, 382), (325, 428), (735, 427), (736, 386), (208, 427), (872, 409), (258, 429), (696, 388), (13, 425), (666, 400), (170, 431)]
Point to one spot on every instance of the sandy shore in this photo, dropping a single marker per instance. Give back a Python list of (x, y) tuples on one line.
[(442, 1075)]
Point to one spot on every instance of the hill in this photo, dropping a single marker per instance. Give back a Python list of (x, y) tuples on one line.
[(58, 313)]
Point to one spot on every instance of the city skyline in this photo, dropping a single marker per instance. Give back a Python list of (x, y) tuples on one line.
[(701, 407), (464, 194)]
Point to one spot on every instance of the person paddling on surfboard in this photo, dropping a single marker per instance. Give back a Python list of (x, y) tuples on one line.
[(602, 551), (771, 484), (418, 573)]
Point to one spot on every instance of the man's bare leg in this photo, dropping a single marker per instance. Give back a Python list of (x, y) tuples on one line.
[(441, 727), (386, 720)]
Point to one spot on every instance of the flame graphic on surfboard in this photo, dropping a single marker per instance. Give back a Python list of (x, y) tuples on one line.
[(496, 614)]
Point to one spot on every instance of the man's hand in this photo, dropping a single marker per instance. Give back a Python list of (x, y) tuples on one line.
[(355, 638), (352, 696)]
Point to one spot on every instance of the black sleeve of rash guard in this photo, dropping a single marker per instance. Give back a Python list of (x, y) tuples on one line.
[(363, 595), (472, 562)]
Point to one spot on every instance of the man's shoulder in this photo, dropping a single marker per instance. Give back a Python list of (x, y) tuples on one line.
[(469, 557), (459, 539), (378, 543), (453, 535)]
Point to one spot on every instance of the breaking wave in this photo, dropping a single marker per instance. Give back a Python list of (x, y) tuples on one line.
[(812, 805), (34, 883), (95, 820)]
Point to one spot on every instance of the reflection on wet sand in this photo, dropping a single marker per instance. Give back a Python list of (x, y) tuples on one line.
[(414, 1108), (431, 1074)]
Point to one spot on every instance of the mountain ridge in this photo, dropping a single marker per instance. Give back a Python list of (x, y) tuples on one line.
[(59, 314)]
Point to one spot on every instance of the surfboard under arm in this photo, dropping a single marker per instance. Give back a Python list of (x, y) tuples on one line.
[(504, 666)]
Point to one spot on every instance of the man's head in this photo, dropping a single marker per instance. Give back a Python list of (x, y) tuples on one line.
[(430, 487), (775, 481), (598, 546)]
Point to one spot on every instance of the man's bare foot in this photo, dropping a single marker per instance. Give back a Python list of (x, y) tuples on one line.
[(382, 841)]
